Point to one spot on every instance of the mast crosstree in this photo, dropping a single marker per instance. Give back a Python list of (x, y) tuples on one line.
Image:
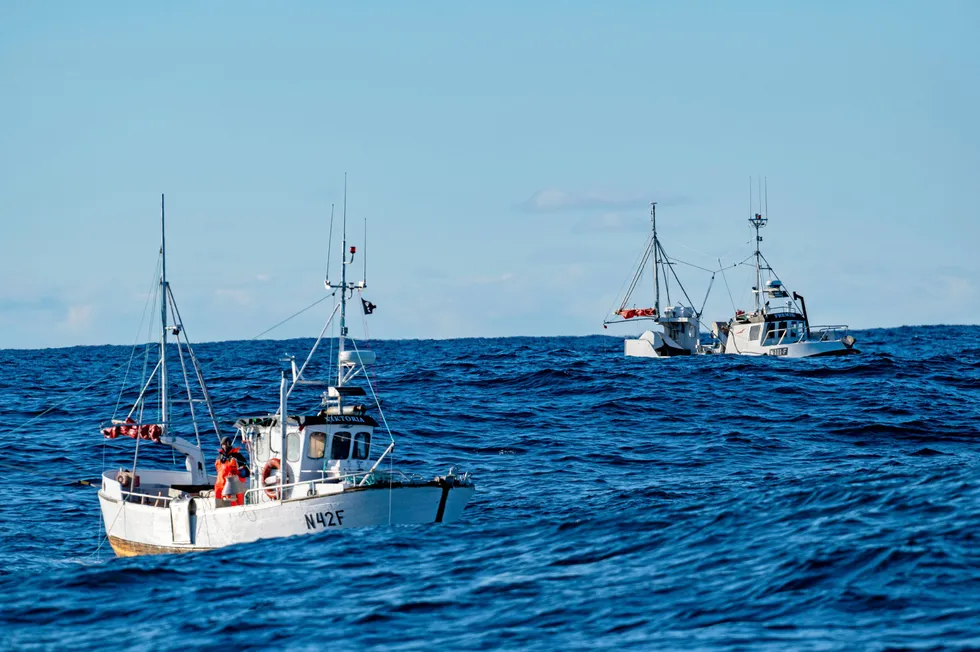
[(344, 288), (654, 253)]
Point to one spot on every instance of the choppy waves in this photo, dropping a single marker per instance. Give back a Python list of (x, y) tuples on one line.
[(690, 503)]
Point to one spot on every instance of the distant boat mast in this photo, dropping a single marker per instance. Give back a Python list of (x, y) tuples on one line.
[(758, 220), (163, 317), (656, 259)]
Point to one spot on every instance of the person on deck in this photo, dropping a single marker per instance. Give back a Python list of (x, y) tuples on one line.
[(229, 463)]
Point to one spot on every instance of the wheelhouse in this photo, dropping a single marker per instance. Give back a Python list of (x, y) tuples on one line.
[(316, 448)]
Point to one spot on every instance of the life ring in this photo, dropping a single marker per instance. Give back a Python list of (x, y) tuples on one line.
[(272, 491)]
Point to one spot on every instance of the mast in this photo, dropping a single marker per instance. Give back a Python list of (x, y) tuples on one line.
[(656, 259), (163, 316), (344, 288), (757, 221), (343, 294)]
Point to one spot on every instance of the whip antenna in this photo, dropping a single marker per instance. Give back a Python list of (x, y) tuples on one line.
[(329, 243)]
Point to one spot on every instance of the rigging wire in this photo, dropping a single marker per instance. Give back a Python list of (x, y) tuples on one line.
[(676, 278), (705, 302), (292, 316), (373, 394), (364, 325), (684, 262), (197, 369), (643, 257), (329, 243), (725, 277), (132, 354)]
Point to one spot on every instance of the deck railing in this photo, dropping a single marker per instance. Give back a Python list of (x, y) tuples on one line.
[(358, 478), (145, 499)]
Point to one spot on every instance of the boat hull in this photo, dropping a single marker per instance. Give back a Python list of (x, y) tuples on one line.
[(805, 349), (197, 525), (652, 344)]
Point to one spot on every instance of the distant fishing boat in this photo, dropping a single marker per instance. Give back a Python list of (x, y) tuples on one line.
[(322, 470), (779, 324), (680, 334)]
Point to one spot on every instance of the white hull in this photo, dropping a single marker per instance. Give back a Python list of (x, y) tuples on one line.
[(804, 349), (653, 345), (135, 528)]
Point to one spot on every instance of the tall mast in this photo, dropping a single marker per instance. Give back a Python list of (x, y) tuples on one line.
[(163, 315), (656, 259), (343, 293), (758, 264), (757, 221)]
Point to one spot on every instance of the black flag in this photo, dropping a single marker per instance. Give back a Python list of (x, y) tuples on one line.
[(368, 306)]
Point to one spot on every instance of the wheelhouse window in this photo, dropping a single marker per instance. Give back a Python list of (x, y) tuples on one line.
[(754, 333), (317, 446), (362, 445), (262, 445), (340, 446), (292, 446)]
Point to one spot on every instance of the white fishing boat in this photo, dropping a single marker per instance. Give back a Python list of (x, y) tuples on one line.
[(320, 470), (779, 324), (680, 334)]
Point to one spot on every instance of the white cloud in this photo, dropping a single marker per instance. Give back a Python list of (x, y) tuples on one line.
[(79, 317), (614, 222), (241, 297), (489, 280), (262, 277), (551, 200), (956, 288)]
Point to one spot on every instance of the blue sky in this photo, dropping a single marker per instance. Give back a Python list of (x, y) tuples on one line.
[(503, 153)]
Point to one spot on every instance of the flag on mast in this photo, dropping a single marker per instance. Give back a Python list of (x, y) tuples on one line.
[(367, 306)]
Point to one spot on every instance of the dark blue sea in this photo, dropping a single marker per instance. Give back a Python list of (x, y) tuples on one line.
[(690, 503)]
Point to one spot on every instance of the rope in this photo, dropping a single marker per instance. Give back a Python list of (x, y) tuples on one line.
[(132, 354), (109, 374), (725, 277), (364, 325), (294, 315), (637, 275), (684, 262), (373, 394), (391, 455)]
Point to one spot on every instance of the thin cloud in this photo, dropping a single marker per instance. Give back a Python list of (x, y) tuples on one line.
[(46, 304), (613, 222), (555, 200), (241, 297), (489, 280), (79, 317), (957, 288), (570, 255)]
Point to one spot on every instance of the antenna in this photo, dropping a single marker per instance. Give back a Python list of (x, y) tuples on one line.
[(164, 416), (364, 255), (343, 295), (750, 198), (757, 221), (329, 244), (656, 255), (767, 197)]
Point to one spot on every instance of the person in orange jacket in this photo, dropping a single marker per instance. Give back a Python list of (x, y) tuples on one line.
[(228, 464)]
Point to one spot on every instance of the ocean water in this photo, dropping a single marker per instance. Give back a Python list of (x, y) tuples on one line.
[(690, 503)]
